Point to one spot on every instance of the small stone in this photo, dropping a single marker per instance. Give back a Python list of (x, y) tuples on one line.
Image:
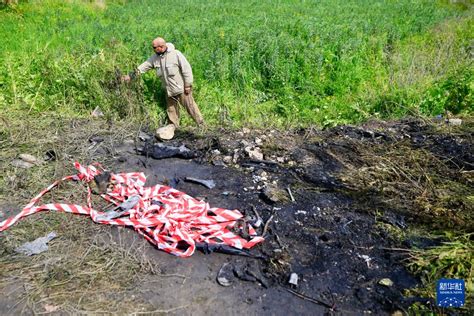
[(245, 130), (386, 282), (454, 121), (258, 141), (21, 164), (227, 159), (235, 158), (29, 158), (165, 132), (254, 153), (244, 143), (219, 163), (261, 173), (274, 195)]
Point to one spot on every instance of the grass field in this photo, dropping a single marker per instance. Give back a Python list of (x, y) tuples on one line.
[(264, 63), (283, 63)]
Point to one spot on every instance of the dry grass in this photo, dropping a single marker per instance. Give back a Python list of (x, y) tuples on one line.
[(410, 180), (85, 270)]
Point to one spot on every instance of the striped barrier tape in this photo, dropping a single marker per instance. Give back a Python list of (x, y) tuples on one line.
[(166, 217)]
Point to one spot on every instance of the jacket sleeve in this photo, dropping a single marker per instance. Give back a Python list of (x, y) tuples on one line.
[(147, 65), (185, 69)]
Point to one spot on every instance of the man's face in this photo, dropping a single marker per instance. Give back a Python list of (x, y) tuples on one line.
[(159, 48)]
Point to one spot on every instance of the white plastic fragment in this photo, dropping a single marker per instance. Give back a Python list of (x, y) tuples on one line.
[(97, 112), (366, 258), (293, 279)]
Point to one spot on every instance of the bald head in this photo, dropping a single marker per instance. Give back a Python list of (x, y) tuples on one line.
[(159, 45)]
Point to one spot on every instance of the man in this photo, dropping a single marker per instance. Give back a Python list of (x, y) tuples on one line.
[(176, 78)]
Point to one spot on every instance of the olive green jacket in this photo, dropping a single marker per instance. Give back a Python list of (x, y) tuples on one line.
[(172, 68)]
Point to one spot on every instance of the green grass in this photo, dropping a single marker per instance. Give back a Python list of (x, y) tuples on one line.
[(283, 63)]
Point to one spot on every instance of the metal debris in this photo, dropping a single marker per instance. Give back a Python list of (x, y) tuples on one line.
[(225, 276), (124, 207), (36, 246), (210, 184)]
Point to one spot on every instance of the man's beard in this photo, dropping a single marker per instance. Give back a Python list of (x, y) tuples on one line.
[(161, 54)]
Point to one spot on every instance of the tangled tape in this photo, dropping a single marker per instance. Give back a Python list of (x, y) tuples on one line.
[(168, 218)]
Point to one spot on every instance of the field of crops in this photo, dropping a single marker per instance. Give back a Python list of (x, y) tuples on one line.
[(285, 63)]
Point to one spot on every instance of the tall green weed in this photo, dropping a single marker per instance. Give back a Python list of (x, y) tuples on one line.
[(283, 63)]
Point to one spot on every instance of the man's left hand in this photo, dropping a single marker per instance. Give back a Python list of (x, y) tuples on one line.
[(187, 90)]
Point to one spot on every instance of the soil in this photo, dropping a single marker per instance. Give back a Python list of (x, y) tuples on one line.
[(321, 230)]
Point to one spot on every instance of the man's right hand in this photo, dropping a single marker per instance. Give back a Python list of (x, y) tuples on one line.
[(126, 78)]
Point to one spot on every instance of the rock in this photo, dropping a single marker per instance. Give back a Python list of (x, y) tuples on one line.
[(218, 163), (235, 158), (227, 159), (21, 164), (244, 143), (386, 282), (454, 121), (273, 194), (254, 153), (165, 132), (258, 141), (29, 158), (261, 173), (245, 130)]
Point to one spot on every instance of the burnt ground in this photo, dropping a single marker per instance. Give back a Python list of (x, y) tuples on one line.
[(336, 234)]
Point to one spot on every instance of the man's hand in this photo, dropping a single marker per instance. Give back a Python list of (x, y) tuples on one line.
[(187, 90), (125, 78)]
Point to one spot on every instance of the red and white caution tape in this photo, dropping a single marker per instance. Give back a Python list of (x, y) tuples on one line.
[(168, 218)]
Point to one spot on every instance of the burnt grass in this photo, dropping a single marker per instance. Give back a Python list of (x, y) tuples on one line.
[(336, 203)]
